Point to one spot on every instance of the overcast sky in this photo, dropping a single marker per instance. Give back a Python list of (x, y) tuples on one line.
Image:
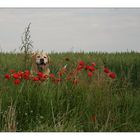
[(72, 29)]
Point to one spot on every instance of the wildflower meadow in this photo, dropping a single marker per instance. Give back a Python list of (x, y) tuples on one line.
[(84, 92)]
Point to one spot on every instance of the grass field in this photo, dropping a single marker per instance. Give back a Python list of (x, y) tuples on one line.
[(98, 104)]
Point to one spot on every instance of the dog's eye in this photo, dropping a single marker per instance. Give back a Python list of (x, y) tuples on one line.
[(45, 57), (38, 56)]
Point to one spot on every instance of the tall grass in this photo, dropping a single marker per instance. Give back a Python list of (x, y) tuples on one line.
[(27, 45), (99, 105)]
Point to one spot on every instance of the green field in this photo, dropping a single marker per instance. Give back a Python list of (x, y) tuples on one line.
[(100, 104)]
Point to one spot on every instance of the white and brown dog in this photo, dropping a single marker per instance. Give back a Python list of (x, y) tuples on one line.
[(41, 62)]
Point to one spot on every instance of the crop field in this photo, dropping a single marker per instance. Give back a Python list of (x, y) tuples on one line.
[(105, 98)]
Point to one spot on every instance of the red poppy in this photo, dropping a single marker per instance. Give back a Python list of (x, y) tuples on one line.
[(80, 67), (15, 75), (12, 71), (106, 70), (20, 73), (87, 67), (45, 76), (7, 76), (40, 74), (112, 75), (17, 82), (81, 63), (91, 68), (27, 72), (52, 76), (90, 74), (36, 79), (25, 76)]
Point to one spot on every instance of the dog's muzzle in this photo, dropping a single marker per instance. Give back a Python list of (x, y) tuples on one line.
[(42, 61)]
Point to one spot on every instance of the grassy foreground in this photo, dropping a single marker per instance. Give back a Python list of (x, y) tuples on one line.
[(100, 104)]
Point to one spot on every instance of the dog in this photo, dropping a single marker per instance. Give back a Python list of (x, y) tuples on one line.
[(40, 63)]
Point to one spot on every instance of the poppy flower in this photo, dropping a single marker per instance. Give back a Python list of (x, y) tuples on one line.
[(7, 76), (12, 71), (106, 70), (45, 76), (25, 76), (87, 67), (36, 79), (90, 74), (52, 76), (81, 63), (80, 67), (40, 74), (112, 75), (91, 68), (15, 75), (27, 72), (17, 82), (20, 73)]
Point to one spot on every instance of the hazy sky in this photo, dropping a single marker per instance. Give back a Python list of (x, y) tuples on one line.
[(72, 29)]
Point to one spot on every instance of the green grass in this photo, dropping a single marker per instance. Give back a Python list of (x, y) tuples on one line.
[(66, 107)]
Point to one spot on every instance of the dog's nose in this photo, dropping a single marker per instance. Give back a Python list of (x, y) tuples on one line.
[(41, 60)]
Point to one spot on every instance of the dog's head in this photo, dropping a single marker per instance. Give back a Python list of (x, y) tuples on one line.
[(41, 59)]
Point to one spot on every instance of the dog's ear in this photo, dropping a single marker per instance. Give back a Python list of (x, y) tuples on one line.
[(33, 54)]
